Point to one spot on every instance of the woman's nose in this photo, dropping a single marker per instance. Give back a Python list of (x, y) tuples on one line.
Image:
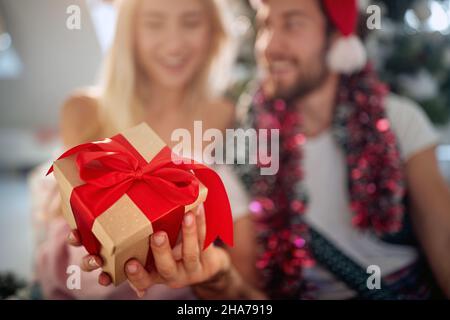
[(173, 38)]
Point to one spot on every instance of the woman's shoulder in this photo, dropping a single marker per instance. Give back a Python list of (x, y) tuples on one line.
[(222, 113), (81, 102), (80, 117)]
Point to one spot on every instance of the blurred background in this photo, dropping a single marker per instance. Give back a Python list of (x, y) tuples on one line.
[(42, 62)]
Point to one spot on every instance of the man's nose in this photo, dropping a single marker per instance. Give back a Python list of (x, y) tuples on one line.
[(276, 43)]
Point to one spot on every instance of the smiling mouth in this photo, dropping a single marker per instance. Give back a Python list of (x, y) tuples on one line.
[(174, 63)]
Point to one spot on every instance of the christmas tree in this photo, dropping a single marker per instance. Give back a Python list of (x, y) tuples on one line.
[(412, 52)]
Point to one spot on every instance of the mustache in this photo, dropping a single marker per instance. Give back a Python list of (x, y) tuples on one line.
[(272, 59)]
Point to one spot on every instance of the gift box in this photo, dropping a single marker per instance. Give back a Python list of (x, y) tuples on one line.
[(119, 191)]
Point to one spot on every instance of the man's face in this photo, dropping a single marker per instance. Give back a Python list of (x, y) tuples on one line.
[(291, 45)]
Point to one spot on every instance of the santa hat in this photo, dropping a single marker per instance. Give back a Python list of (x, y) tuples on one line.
[(347, 54)]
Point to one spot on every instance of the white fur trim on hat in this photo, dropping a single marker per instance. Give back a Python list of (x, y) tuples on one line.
[(256, 3), (347, 55)]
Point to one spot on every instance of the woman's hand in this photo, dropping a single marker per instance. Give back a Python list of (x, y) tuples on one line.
[(89, 263), (185, 265)]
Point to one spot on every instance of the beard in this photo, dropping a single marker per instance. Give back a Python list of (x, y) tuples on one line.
[(311, 76)]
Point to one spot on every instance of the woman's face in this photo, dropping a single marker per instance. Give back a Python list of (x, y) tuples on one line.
[(172, 40)]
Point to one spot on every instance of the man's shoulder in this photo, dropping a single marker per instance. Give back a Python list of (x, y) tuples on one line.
[(404, 112), (401, 105), (411, 125)]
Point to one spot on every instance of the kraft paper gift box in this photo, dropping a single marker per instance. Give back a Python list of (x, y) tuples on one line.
[(119, 191)]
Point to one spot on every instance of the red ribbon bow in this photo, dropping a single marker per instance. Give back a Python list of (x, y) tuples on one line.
[(160, 189)]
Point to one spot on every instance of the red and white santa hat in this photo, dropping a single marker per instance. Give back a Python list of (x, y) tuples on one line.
[(347, 54)]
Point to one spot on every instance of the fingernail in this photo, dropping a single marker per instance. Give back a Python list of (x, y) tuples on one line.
[(188, 220), (93, 262), (132, 268), (104, 282), (71, 237), (159, 239)]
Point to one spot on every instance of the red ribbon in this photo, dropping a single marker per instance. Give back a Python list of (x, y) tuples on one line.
[(160, 189)]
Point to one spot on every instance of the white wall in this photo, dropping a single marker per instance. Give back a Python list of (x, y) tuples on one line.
[(56, 61)]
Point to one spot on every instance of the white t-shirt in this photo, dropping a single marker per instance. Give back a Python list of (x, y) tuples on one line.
[(329, 211)]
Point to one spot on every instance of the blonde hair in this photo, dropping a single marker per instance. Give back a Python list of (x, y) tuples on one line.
[(119, 87)]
